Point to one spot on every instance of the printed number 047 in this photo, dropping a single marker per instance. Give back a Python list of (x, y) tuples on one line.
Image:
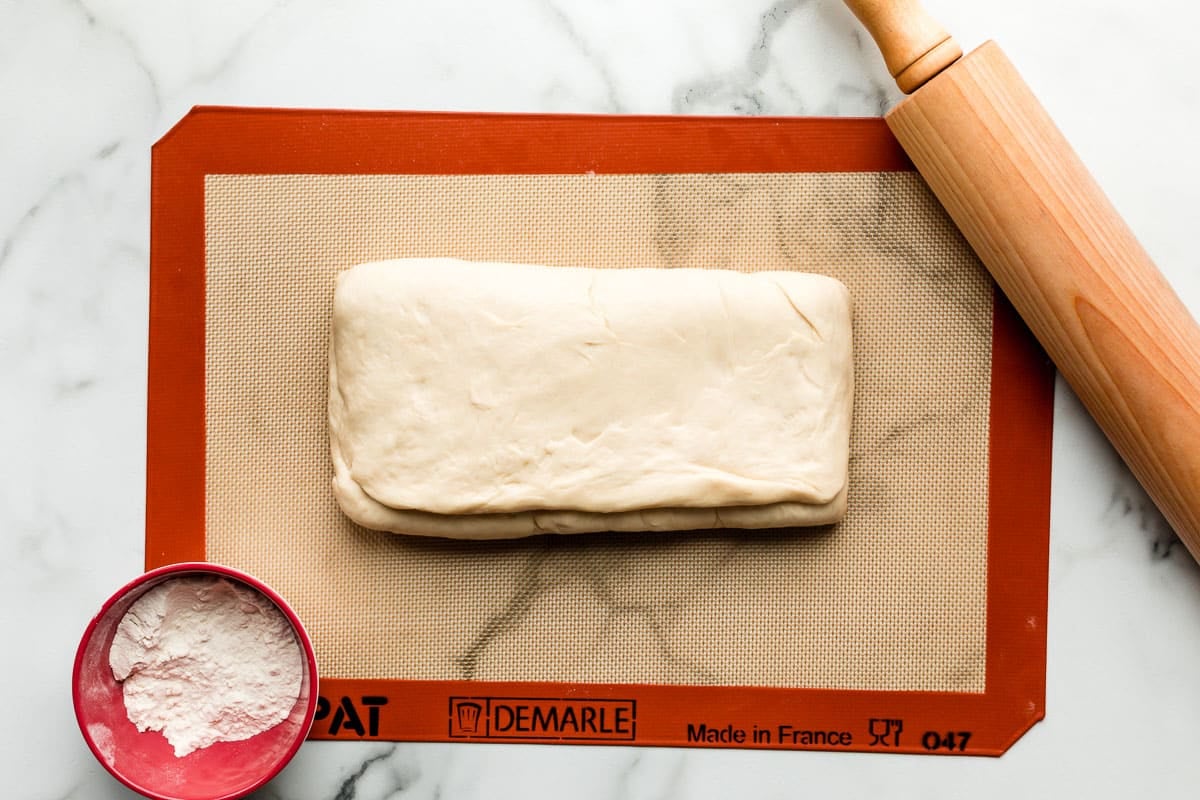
[(950, 740)]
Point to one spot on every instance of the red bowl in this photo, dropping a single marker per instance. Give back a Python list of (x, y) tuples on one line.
[(146, 762)]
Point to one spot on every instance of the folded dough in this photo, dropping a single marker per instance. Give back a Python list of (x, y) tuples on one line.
[(488, 400)]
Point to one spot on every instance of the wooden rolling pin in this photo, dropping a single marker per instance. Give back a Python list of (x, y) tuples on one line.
[(1055, 245)]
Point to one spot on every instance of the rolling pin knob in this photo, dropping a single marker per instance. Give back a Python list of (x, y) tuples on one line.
[(914, 46)]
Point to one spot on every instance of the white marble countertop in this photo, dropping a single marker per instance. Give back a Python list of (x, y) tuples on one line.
[(86, 86)]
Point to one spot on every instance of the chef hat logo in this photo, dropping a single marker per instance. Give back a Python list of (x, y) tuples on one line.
[(468, 716)]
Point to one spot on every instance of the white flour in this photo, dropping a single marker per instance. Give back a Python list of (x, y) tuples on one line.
[(206, 660)]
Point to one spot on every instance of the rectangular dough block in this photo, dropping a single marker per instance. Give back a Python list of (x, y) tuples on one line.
[(490, 400)]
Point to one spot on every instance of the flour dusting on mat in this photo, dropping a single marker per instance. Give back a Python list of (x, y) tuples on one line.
[(205, 660)]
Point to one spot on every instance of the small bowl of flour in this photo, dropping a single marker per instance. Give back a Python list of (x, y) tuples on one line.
[(195, 682)]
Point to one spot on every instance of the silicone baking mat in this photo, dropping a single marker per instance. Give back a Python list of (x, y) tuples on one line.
[(915, 625)]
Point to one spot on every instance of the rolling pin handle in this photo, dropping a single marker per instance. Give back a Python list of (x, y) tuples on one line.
[(914, 46)]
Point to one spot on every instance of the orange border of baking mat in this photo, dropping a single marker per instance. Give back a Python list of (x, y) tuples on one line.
[(271, 141)]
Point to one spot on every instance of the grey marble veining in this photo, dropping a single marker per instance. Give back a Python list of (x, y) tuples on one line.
[(88, 85)]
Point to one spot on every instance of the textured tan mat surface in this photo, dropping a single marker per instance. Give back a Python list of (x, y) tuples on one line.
[(893, 598)]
